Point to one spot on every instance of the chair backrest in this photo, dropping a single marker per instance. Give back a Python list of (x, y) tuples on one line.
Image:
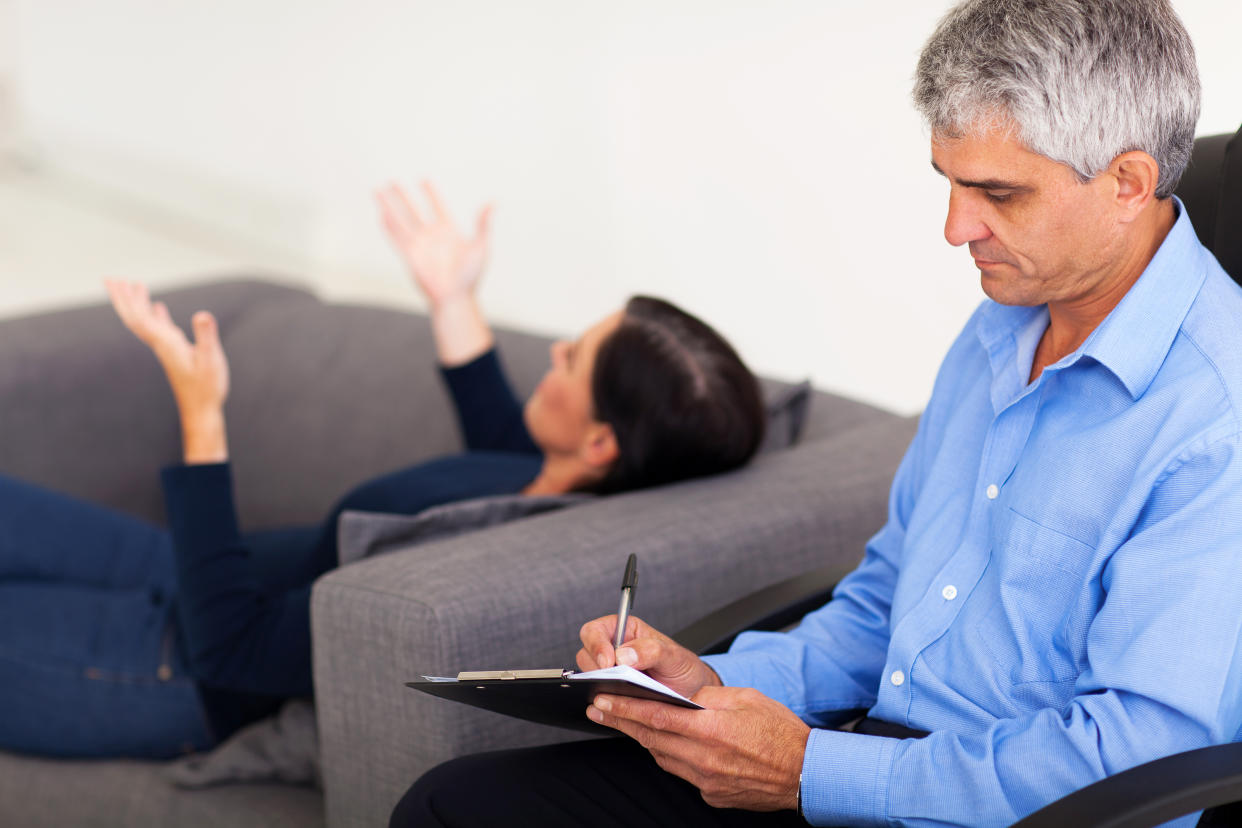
[(1211, 189)]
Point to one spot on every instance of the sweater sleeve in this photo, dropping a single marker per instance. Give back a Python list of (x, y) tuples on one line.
[(239, 634), (243, 603), (487, 409)]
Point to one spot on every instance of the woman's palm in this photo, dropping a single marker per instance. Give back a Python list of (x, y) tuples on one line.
[(444, 263)]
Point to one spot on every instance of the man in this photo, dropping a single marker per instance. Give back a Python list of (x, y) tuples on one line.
[(1053, 598)]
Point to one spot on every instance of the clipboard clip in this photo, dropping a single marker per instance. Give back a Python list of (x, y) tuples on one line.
[(510, 675)]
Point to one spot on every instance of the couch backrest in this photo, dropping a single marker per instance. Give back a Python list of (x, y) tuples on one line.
[(323, 397)]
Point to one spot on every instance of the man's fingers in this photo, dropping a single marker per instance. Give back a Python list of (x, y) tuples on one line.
[(678, 767), (641, 653), (596, 639), (660, 728), (640, 733), (653, 715), (586, 660)]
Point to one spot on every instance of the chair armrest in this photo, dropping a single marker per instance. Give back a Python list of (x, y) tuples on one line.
[(1150, 794), (771, 608)]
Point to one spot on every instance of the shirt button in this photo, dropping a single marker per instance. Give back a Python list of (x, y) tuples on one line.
[(993, 492), (949, 592), (898, 678)]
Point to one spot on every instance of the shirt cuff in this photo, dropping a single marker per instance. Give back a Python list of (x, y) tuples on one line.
[(845, 778)]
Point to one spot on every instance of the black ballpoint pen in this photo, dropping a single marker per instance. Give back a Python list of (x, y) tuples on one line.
[(628, 585)]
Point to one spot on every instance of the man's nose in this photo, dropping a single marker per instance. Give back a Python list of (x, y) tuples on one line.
[(964, 224)]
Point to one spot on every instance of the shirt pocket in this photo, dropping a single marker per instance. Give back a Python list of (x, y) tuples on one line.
[(1039, 597)]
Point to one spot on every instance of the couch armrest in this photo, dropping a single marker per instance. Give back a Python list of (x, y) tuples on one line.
[(515, 596)]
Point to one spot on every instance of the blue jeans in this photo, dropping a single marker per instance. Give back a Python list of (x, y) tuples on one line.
[(92, 662), (89, 664)]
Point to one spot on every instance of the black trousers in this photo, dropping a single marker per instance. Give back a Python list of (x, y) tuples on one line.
[(602, 782)]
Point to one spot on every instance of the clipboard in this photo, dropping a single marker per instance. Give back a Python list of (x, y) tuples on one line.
[(552, 697)]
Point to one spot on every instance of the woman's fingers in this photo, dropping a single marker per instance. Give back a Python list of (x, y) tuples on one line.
[(132, 303), (395, 211), (149, 321), (483, 226), (392, 226), (406, 210), (437, 204), (206, 333)]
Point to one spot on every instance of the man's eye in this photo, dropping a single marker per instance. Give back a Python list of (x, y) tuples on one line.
[(998, 196)]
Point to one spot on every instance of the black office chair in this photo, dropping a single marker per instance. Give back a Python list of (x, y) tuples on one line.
[(1208, 779)]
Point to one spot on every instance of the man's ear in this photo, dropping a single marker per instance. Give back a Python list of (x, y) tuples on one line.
[(1136, 175), (599, 446)]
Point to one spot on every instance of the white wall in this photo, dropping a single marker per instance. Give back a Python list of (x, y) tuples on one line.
[(759, 163), (8, 91)]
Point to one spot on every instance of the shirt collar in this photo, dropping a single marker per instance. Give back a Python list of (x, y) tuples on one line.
[(1135, 337)]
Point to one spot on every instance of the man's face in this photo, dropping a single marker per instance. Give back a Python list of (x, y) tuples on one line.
[(1036, 233)]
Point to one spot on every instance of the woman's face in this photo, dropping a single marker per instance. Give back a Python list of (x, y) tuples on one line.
[(559, 413)]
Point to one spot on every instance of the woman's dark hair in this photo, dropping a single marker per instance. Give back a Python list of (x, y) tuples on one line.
[(678, 397)]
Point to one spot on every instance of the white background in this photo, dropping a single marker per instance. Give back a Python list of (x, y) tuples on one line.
[(758, 162)]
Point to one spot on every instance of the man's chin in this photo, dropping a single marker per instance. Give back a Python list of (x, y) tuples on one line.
[(1005, 291)]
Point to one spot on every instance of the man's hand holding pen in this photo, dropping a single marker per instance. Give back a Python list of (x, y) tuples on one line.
[(647, 649), (743, 751)]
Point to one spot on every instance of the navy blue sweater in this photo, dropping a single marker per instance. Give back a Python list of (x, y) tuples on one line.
[(243, 603)]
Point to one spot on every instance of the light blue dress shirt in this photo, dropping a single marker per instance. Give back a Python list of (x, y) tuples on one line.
[(1057, 593)]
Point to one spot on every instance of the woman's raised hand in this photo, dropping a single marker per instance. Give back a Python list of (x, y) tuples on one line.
[(445, 265), (197, 371)]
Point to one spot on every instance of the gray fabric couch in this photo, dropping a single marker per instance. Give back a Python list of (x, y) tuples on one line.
[(325, 396)]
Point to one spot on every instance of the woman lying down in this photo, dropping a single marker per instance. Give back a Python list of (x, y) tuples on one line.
[(122, 638)]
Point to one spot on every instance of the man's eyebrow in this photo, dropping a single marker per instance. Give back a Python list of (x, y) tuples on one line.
[(986, 183)]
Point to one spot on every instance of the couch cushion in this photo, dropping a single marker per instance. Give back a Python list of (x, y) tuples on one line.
[(360, 534), (787, 410), (46, 793), (280, 748)]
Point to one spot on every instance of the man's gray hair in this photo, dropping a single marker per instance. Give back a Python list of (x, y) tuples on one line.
[(1078, 81)]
